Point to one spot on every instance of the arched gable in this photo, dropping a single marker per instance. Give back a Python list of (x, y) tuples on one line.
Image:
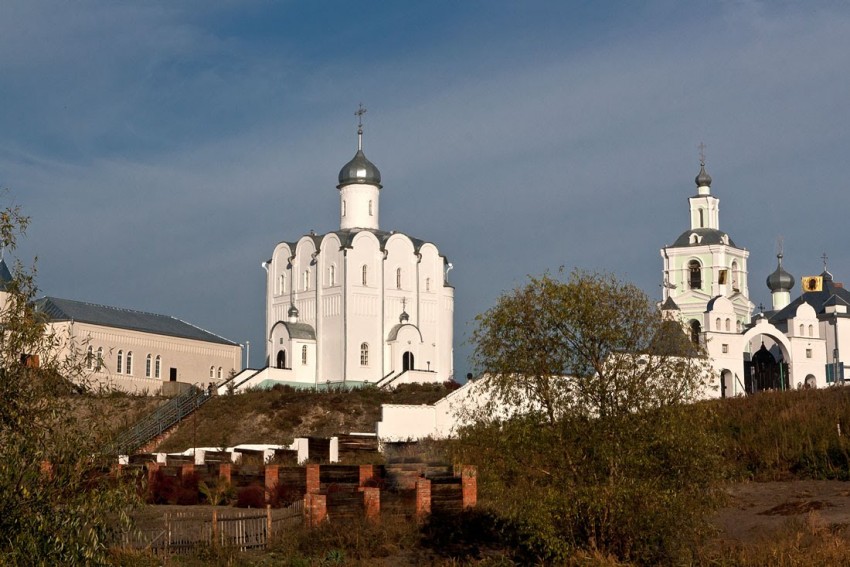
[(404, 330), (762, 327)]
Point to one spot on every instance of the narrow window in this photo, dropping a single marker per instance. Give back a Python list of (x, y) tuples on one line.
[(363, 275), (212, 371), (717, 324), (398, 278), (694, 275), (343, 208), (811, 331), (728, 325), (148, 361), (304, 354), (808, 353), (370, 208), (701, 219), (99, 359), (725, 348), (283, 283), (119, 368), (332, 275), (696, 330), (802, 331), (735, 286), (157, 366), (90, 358), (280, 284), (364, 354), (129, 362), (218, 375), (427, 284)]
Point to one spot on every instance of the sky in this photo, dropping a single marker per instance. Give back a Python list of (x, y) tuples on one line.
[(162, 149)]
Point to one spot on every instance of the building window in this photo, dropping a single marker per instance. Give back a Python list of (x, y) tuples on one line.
[(99, 359), (148, 361), (363, 274), (802, 332), (696, 330), (90, 358), (728, 325), (427, 284), (157, 366), (735, 286), (129, 362), (701, 218), (370, 208), (332, 275), (281, 284), (343, 208), (738, 326), (811, 331), (694, 275), (398, 278), (120, 367), (808, 353), (725, 348), (218, 375), (304, 354), (364, 354), (306, 280), (212, 372), (717, 324)]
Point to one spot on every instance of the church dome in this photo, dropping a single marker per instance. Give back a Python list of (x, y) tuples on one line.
[(703, 179), (780, 280), (359, 170)]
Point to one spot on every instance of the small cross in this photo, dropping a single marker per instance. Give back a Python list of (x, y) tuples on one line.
[(403, 303), (761, 307), (361, 110), (824, 257), (701, 147)]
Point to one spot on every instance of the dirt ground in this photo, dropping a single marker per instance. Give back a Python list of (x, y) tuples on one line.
[(755, 509)]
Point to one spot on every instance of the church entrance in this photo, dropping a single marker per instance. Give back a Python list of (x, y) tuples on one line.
[(407, 361), (281, 358), (764, 372)]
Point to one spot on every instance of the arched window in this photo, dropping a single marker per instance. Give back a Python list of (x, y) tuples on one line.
[(281, 284), (696, 330), (717, 324), (120, 366), (307, 280), (364, 354), (363, 274), (694, 275), (332, 275), (811, 331), (129, 362), (427, 284), (701, 218), (90, 358), (735, 277), (370, 208), (157, 366), (304, 354), (99, 359), (343, 208), (281, 358), (398, 278), (148, 361), (802, 331), (218, 375), (738, 326), (212, 372), (728, 324)]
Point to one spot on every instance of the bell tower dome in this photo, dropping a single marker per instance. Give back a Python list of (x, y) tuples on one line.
[(359, 187)]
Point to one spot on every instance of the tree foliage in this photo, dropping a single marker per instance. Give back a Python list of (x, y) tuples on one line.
[(57, 506), (590, 438)]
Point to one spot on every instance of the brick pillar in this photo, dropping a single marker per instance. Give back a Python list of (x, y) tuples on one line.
[(186, 470), (272, 479), (367, 472), (469, 485), (315, 509), (423, 497), (312, 479), (225, 472), (372, 503)]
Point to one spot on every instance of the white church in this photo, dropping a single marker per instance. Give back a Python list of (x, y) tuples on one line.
[(358, 305), (795, 344)]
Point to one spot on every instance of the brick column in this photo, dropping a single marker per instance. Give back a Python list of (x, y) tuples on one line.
[(312, 478), (372, 503), (469, 485), (225, 472), (367, 472), (272, 479), (315, 509), (423, 497)]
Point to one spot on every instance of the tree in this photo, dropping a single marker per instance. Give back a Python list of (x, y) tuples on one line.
[(56, 505), (590, 438)]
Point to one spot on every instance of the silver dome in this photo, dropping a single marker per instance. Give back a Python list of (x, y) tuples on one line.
[(703, 179), (359, 170), (780, 280)]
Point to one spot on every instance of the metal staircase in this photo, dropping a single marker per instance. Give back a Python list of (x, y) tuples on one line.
[(161, 420)]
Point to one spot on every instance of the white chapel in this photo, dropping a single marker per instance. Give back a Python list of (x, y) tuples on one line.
[(358, 305)]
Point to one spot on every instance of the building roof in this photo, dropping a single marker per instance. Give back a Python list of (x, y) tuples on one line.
[(300, 331), (346, 237), (831, 294), (706, 236), (5, 275), (359, 170), (69, 310), (669, 304)]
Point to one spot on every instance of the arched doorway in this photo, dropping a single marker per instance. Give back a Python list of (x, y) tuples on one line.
[(726, 385), (764, 372), (811, 382), (696, 331), (407, 361), (281, 358)]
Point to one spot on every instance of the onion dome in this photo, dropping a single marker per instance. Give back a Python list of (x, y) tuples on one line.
[(404, 317), (703, 179), (293, 312), (780, 280), (359, 170)]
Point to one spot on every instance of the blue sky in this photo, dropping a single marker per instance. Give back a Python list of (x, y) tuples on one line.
[(162, 149)]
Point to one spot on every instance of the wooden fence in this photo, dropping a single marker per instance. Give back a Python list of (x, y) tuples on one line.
[(183, 532)]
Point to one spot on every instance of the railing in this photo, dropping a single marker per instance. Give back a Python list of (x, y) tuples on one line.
[(386, 380), (184, 532), (161, 420)]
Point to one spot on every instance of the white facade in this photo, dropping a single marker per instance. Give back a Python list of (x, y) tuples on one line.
[(358, 305)]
